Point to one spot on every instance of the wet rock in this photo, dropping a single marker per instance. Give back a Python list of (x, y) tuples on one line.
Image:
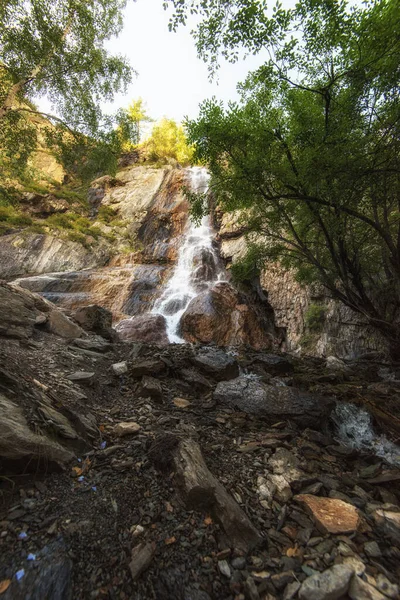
[(151, 329), (252, 396), (151, 387), (123, 429), (141, 558), (361, 590), (219, 315), (217, 363), (330, 515), (329, 585), (147, 366), (389, 523), (95, 318)]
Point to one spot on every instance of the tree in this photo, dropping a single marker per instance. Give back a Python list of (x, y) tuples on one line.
[(137, 114), (56, 48), (312, 152), (168, 141)]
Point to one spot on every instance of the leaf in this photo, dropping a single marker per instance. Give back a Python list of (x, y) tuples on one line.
[(4, 585), (77, 471), (169, 507), (170, 541), (291, 552), (208, 521), (181, 403)]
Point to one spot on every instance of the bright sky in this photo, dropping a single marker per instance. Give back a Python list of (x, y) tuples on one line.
[(171, 79)]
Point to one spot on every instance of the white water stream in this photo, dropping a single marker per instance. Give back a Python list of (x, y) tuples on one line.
[(197, 268), (355, 429)]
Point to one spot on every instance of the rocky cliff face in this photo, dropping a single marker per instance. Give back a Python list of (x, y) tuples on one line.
[(150, 211), (312, 323)]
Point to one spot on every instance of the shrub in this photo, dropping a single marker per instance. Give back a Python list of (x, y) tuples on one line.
[(315, 317)]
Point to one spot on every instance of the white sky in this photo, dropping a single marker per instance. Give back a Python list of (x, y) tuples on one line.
[(171, 79)]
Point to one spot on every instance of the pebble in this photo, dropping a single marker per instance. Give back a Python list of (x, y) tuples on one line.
[(224, 568), (120, 368), (239, 563), (330, 515), (122, 429), (391, 590)]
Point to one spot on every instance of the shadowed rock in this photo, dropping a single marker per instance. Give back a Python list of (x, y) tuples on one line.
[(252, 396)]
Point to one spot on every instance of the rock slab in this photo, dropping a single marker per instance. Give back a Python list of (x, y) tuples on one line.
[(250, 395), (330, 514)]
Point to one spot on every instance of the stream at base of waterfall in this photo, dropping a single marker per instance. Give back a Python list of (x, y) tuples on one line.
[(198, 266)]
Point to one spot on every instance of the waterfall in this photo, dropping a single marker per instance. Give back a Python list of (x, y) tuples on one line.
[(355, 429), (198, 266)]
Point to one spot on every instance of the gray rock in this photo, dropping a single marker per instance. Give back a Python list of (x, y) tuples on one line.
[(120, 368), (151, 329), (372, 549), (329, 585), (253, 396), (389, 523), (274, 364), (18, 442), (97, 344), (142, 555), (291, 590), (151, 387), (147, 366), (239, 563), (224, 569), (361, 590), (95, 318), (81, 376), (217, 363), (195, 379)]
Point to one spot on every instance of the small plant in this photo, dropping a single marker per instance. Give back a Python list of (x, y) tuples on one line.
[(315, 317)]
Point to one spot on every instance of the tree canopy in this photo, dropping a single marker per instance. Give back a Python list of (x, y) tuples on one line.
[(312, 151), (56, 49), (168, 141)]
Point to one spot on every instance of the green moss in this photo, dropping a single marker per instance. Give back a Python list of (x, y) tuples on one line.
[(10, 217), (315, 317), (106, 214)]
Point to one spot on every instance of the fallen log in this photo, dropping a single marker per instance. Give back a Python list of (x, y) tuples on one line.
[(200, 490)]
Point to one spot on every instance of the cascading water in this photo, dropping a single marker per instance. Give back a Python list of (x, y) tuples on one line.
[(355, 429), (198, 265)]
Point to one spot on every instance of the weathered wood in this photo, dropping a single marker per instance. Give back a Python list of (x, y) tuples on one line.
[(201, 490)]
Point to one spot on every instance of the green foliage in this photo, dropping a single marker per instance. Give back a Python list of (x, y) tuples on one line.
[(106, 214), (168, 141), (130, 123), (312, 151), (315, 316), (57, 48)]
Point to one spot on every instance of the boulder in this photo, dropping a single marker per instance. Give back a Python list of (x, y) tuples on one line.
[(19, 443), (151, 329), (219, 315), (255, 397), (18, 312), (95, 318), (275, 364), (59, 324), (329, 585), (217, 363), (389, 522)]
